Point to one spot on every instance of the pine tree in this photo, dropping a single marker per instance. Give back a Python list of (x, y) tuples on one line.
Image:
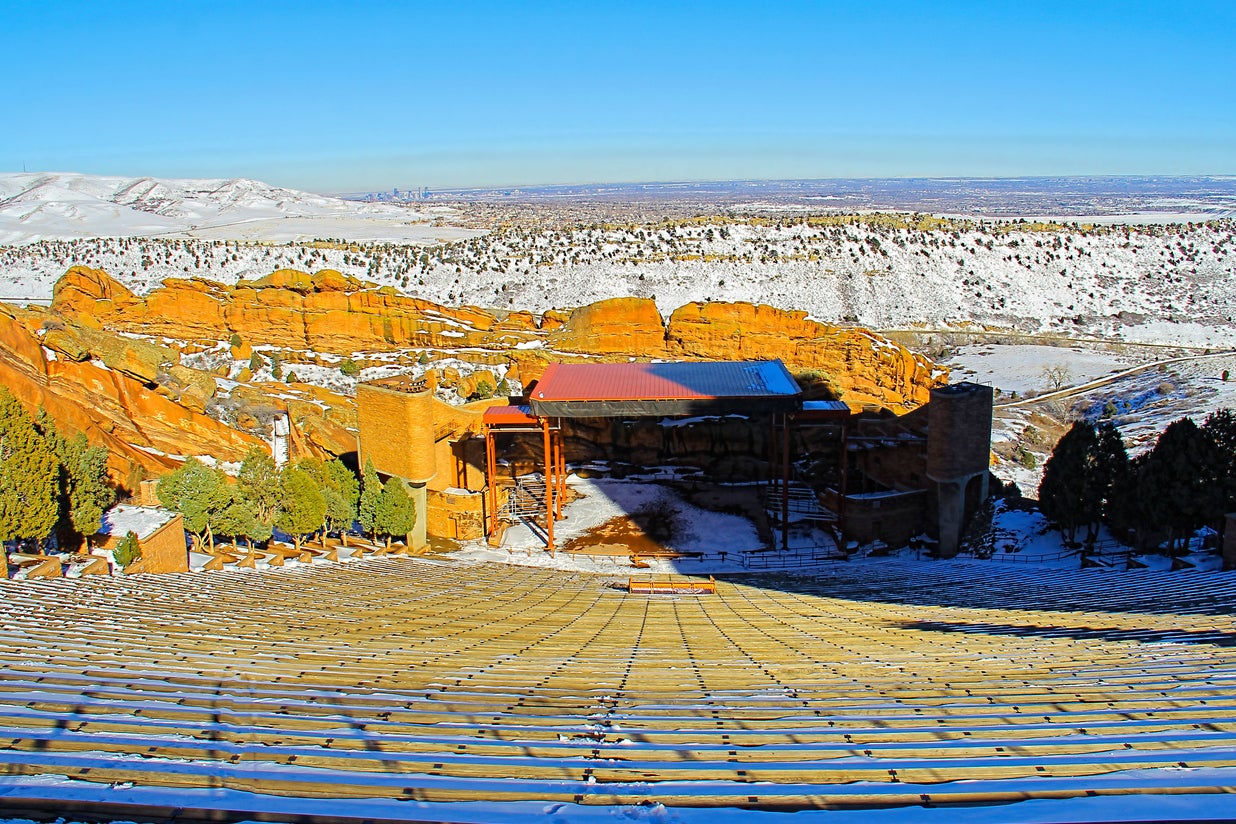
[(85, 494), (340, 489), (29, 475), (341, 505), (1174, 490), (302, 507), (238, 520), (199, 493), (1064, 496), (1220, 429), (396, 511), (1107, 467), (257, 484), (371, 492)]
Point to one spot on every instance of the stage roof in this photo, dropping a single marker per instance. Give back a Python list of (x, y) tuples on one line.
[(604, 390)]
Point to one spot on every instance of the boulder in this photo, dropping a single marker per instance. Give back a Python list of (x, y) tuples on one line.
[(618, 326)]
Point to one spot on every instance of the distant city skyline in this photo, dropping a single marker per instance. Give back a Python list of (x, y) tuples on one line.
[(330, 98)]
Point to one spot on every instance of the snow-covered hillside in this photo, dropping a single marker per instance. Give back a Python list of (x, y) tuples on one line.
[(1155, 284), (60, 206)]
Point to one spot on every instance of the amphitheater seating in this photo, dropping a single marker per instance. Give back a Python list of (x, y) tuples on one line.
[(875, 684)]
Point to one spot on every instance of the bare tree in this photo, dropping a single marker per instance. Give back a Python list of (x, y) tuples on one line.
[(1057, 375)]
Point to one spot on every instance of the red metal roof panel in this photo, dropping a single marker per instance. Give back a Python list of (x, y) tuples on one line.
[(665, 381), (499, 415)]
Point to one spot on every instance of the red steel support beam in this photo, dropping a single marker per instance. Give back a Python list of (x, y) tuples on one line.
[(491, 481), (561, 467), (547, 437)]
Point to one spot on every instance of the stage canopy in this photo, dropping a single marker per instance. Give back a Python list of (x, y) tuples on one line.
[(605, 390)]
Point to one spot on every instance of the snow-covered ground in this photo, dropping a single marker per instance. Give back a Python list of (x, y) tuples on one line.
[(1153, 284), (715, 543), (1141, 405), (710, 541), (1026, 368), (62, 206)]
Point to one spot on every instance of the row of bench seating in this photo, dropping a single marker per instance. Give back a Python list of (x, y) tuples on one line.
[(878, 683)]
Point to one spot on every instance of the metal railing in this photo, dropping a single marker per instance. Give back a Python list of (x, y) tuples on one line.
[(801, 501), (527, 500)]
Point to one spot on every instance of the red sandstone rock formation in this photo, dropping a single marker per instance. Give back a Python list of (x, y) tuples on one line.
[(112, 405), (329, 312)]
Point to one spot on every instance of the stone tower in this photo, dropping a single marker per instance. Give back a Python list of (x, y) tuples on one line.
[(395, 418), (958, 455)]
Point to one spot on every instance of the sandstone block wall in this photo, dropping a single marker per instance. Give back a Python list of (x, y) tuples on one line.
[(959, 431), (456, 514)]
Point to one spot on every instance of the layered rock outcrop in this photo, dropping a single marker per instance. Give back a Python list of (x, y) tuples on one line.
[(135, 396), (95, 383), (326, 312), (856, 364), (331, 313), (859, 364)]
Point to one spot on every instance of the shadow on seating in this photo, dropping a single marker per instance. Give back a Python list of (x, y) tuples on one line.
[(1144, 636)]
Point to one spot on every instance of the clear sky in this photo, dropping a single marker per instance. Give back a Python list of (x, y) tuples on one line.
[(352, 96)]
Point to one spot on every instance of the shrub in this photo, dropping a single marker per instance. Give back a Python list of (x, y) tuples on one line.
[(127, 551), (660, 522)]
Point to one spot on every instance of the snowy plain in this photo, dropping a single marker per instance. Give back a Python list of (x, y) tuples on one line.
[(62, 206), (1153, 284)]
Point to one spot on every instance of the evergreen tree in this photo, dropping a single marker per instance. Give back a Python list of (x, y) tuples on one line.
[(1174, 489), (396, 511), (1123, 511), (128, 550), (341, 490), (1064, 494), (341, 503), (200, 494), (371, 492), (1108, 466), (302, 507), (29, 475), (257, 484), (87, 495), (1079, 478), (83, 494), (238, 520), (1220, 429)]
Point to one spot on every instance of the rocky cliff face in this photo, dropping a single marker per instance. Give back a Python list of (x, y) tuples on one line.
[(103, 386), (325, 312), (330, 313), (81, 361)]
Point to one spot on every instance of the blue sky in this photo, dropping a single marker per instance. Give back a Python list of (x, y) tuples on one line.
[(340, 97)]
